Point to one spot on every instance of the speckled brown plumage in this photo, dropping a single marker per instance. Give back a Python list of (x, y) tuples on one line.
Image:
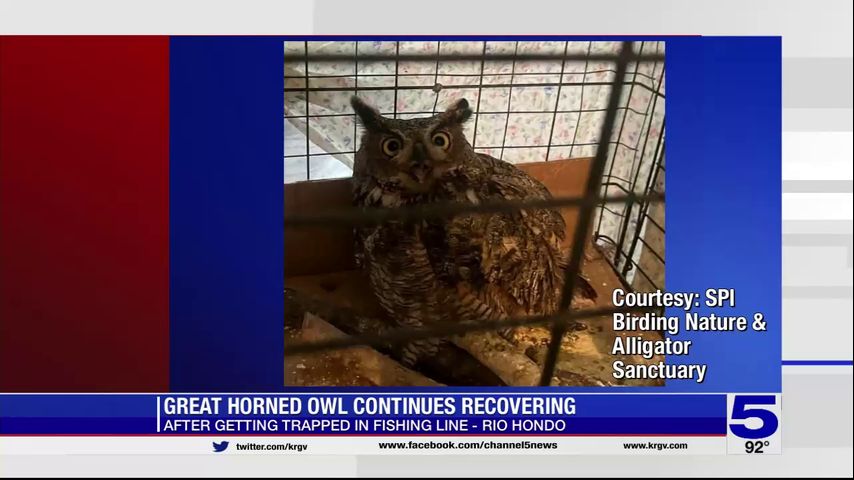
[(471, 267)]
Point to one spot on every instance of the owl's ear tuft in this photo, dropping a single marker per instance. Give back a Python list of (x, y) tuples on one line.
[(368, 115), (459, 112)]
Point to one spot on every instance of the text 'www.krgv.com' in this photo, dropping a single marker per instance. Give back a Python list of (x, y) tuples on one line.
[(655, 446)]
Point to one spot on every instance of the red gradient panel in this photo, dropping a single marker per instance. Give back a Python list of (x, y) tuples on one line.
[(84, 214)]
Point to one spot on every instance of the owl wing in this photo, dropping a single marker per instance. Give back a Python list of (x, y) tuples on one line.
[(506, 263)]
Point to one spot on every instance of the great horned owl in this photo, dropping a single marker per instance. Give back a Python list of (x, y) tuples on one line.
[(470, 267)]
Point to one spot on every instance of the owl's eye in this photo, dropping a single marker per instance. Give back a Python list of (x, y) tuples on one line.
[(441, 140), (391, 146)]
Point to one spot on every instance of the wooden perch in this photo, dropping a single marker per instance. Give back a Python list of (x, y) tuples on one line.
[(513, 367), (478, 358), (451, 364), (564, 376), (365, 361)]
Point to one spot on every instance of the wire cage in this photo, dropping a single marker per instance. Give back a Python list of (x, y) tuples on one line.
[(532, 102)]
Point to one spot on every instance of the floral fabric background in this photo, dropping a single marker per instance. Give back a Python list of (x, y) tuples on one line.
[(534, 121)]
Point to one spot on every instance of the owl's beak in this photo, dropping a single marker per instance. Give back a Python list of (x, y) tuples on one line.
[(420, 163), (420, 173)]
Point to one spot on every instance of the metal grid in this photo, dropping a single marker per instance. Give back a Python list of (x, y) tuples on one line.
[(631, 204), (309, 90)]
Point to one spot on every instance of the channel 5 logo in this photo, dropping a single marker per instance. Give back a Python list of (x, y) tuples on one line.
[(746, 407), (754, 424)]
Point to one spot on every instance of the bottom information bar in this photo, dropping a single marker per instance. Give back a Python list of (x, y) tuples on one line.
[(367, 445)]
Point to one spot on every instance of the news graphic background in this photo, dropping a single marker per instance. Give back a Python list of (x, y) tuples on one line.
[(214, 238), (816, 125), (155, 158)]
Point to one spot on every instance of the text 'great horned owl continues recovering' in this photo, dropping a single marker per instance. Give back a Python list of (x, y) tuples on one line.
[(470, 267)]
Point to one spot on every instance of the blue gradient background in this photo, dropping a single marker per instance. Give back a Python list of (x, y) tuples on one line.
[(723, 209), (226, 212), (724, 194)]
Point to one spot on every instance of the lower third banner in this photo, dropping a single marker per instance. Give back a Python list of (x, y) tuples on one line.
[(365, 414), (391, 422)]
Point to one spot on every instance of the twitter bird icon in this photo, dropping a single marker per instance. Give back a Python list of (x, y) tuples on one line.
[(220, 447)]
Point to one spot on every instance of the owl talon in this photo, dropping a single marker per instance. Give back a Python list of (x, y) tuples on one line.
[(577, 326), (508, 334), (412, 352), (408, 359)]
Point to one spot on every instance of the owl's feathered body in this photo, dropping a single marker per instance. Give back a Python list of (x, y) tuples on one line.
[(469, 267)]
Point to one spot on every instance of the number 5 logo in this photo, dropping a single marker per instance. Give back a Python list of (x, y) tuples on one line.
[(740, 411)]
